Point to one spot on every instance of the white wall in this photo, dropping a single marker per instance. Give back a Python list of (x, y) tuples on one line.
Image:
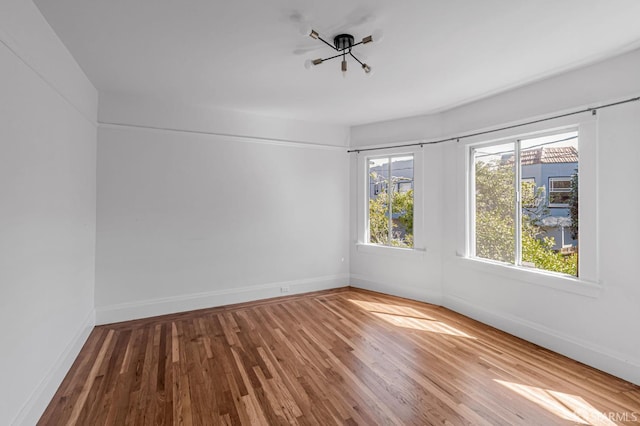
[(47, 211), (416, 275), (193, 219), (598, 328), (171, 114)]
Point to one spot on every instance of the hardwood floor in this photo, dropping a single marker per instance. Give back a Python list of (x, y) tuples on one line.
[(338, 357)]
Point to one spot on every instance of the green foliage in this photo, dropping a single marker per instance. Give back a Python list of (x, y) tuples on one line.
[(402, 227), (379, 219), (495, 222), (533, 201), (495, 209), (573, 206), (537, 251), (495, 238), (403, 205)]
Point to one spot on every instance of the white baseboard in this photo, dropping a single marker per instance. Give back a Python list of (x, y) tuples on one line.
[(612, 362), (35, 405), (420, 294), (188, 302)]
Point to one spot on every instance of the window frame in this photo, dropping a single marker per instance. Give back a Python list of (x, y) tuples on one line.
[(518, 262), (363, 237), (390, 190), (588, 284)]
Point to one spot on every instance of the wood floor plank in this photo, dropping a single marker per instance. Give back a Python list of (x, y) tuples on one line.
[(344, 356), (88, 384)]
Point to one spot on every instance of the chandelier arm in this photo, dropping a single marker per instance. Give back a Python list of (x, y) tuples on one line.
[(332, 57), (349, 47), (328, 44), (358, 60)]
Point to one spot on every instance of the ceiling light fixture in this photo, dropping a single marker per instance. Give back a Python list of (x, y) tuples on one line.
[(342, 43)]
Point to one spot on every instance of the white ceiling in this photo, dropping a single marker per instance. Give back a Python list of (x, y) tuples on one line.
[(248, 55)]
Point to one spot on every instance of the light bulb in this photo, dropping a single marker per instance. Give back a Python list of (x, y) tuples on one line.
[(308, 64)]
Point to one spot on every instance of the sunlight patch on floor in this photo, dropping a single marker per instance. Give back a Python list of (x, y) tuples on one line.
[(421, 324), (566, 406), (387, 308), (407, 317)]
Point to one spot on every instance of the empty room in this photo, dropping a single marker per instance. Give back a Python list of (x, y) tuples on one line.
[(304, 212)]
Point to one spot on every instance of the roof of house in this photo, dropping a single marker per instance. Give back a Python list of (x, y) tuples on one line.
[(544, 155)]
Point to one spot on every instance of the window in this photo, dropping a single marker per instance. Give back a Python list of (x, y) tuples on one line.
[(559, 191), (390, 200), (510, 221)]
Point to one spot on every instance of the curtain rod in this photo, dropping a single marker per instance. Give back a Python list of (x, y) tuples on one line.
[(457, 138)]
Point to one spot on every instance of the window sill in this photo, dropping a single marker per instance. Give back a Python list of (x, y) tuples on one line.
[(389, 251), (552, 280)]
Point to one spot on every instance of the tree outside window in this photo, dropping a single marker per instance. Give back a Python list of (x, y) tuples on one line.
[(513, 226), (391, 201)]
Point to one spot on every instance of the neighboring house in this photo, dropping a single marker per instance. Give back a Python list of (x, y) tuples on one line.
[(402, 178), (551, 168)]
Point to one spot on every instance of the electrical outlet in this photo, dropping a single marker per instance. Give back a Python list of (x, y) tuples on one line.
[(284, 289)]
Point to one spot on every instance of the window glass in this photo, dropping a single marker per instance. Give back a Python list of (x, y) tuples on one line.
[(379, 201), (402, 201), (494, 172), (391, 200), (527, 227)]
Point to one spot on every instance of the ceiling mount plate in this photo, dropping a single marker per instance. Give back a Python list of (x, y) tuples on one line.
[(343, 41)]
